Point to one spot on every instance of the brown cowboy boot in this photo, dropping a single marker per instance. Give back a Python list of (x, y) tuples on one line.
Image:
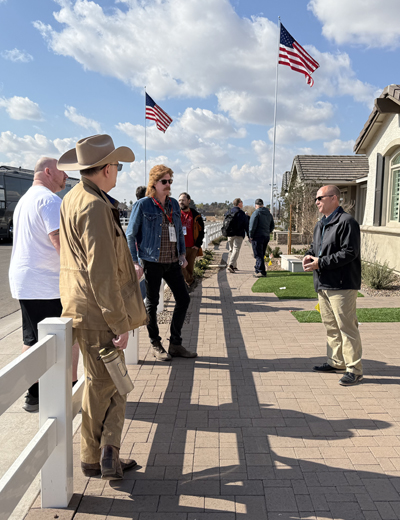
[(112, 467)]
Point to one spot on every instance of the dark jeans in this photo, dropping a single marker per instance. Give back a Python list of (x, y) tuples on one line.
[(259, 246), (154, 272)]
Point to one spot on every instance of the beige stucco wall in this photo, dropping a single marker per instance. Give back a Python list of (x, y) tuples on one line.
[(381, 246), (381, 243)]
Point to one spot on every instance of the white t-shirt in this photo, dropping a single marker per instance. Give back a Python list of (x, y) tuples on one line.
[(35, 264)]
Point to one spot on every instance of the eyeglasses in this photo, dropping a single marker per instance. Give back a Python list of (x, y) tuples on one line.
[(119, 166), (165, 181), (322, 197)]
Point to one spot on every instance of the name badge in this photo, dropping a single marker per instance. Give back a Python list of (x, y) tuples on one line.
[(184, 230), (172, 234)]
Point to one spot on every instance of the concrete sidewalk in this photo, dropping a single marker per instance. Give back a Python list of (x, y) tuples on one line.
[(247, 430)]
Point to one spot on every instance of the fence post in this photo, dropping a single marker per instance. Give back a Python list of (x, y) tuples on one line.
[(132, 350), (55, 398)]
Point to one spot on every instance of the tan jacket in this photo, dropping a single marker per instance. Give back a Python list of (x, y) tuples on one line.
[(98, 283)]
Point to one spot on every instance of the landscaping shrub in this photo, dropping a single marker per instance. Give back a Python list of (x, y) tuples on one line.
[(302, 251), (202, 263), (218, 240), (377, 276), (276, 252)]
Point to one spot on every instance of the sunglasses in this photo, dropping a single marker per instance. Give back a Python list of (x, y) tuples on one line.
[(165, 181), (322, 197), (119, 166)]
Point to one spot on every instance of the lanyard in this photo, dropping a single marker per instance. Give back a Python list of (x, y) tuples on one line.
[(163, 210)]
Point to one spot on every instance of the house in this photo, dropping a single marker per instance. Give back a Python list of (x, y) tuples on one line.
[(345, 171), (308, 174), (379, 140)]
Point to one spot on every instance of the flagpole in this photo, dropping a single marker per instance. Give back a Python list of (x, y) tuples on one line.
[(275, 112), (145, 158)]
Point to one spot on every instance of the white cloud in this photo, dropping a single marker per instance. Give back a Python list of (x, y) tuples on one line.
[(197, 134), (25, 151), (17, 55), (338, 147), (370, 23), (222, 54), (72, 115), (21, 108), (288, 133)]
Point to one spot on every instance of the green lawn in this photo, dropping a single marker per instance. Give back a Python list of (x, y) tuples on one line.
[(286, 285), (381, 315)]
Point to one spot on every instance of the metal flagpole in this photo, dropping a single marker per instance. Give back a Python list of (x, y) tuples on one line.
[(145, 158), (275, 111)]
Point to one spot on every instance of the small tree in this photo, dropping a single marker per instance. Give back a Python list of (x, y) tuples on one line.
[(304, 212)]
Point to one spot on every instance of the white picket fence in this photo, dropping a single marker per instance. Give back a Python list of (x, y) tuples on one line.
[(211, 231), (50, 450)]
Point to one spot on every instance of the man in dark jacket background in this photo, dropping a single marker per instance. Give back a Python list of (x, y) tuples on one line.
[(236, 233), (334, 258), (193, 231), (260, 227)]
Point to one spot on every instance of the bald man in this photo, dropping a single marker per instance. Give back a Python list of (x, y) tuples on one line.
[(35, 261)]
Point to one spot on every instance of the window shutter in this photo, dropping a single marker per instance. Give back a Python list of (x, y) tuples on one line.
[(380, 166)]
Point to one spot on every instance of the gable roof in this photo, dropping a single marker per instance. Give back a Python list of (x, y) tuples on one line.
[(333, 169), (387, 103)]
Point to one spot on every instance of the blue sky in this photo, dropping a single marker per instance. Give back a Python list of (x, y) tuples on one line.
[(70, 69)]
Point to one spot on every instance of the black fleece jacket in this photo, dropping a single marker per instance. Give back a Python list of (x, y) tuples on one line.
[(338, 251)]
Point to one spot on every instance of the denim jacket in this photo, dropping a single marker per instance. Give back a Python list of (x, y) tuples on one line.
[(144, 229)]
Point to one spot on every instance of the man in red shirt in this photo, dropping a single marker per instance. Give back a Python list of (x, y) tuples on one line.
[(193, 231)]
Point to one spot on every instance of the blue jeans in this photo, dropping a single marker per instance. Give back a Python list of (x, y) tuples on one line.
[(154, 272), (259, 246)]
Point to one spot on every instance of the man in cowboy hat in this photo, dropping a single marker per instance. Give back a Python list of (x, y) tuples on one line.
[(100, 292)]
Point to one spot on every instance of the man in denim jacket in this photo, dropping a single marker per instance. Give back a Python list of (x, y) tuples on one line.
[(155, 228)]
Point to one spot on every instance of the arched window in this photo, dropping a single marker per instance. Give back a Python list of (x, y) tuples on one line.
[(395, 191)]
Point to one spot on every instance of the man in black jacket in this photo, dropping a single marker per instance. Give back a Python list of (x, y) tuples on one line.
[(334, 258), (193, 230), (260, 227), (237, 231)]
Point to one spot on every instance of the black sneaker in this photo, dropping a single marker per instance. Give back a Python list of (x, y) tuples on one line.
[(31, 403), (159, 352), (350, 379), (231, 269), (327, 369)]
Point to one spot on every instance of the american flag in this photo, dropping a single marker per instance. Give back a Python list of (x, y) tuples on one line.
[(294, 56), (157, 114)]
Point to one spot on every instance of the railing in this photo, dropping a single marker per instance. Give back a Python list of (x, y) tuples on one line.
[(50, 451), (211, 231)]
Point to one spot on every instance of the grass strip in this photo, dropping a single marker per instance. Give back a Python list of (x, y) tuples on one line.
[(378, 315), (287, 286)]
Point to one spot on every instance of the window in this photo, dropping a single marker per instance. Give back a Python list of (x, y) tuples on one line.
[(395, 191), (13, 186)]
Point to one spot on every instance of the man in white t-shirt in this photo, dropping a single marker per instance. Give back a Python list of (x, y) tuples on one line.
[(35, 261)]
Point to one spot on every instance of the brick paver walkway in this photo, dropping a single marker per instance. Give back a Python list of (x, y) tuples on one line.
[(247, 430)]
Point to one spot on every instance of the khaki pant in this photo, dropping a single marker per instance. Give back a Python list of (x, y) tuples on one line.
[(103, 408), (338, 313), (234, 243), (187, 271)]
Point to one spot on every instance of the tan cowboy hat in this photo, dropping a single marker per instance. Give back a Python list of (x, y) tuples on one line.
[(96, 150)]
